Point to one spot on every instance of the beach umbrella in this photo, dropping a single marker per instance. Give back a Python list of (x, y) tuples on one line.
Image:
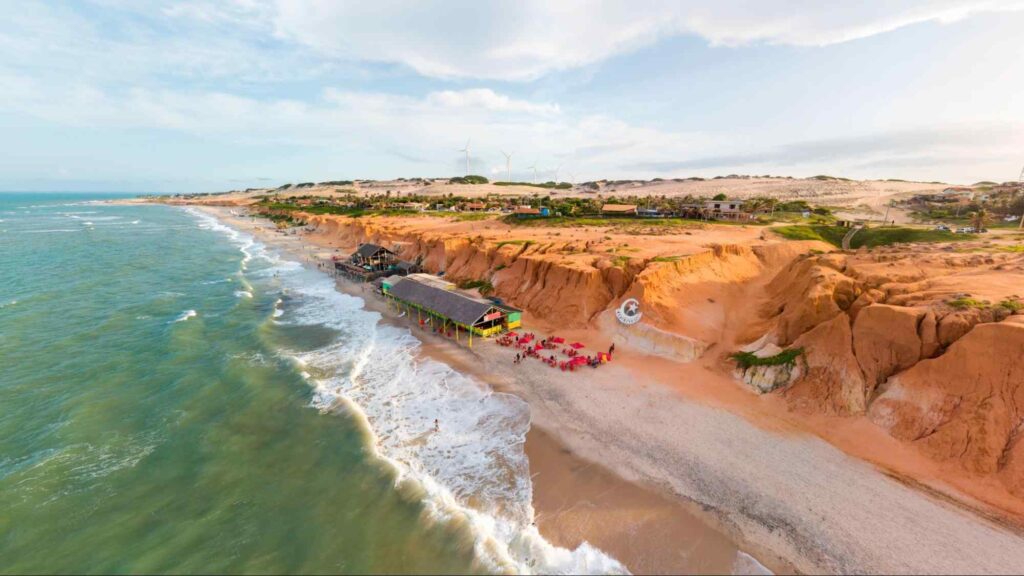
[(577, 345)]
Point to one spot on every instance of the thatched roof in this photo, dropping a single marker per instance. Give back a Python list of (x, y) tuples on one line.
[(371, 250), (452, 305)]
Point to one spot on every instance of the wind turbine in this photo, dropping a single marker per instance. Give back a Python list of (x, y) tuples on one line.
[(466, 150), (534, 168), (508, 164), (556, 173)]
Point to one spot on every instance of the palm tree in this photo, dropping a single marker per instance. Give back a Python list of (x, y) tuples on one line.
[(754, 205), (979, 219)]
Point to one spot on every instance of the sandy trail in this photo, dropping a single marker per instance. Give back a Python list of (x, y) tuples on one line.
[(788, 497)]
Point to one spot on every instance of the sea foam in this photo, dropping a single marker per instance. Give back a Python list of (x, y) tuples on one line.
[(184, 316), (472, 471)]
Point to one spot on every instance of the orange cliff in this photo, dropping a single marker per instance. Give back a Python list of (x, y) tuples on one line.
[(879, 340)]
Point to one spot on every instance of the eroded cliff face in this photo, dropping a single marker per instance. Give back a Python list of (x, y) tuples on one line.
[(881, 338), (878, 334), (571, 283)]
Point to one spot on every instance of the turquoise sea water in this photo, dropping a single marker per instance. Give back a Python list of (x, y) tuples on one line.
[(175, 397)]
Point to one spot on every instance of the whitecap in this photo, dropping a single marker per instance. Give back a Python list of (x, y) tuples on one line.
[(243, 294), (184, 316), (472, 473)]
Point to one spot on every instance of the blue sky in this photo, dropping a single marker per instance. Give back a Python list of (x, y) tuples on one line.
[(204, 96)]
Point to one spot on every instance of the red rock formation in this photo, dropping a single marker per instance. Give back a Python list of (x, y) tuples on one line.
[(965, 405)]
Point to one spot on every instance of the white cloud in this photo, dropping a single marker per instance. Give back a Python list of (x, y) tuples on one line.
[(487, 99), (525, 40), (421, 136)]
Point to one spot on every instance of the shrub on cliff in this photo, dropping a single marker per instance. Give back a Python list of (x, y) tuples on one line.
[(747, 359)]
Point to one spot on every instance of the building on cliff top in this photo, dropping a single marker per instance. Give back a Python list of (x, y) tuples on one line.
[(619, 210), (728, 209)]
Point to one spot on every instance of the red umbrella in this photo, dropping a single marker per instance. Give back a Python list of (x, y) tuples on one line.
[(558, 340), (513, 334), (576, 345)]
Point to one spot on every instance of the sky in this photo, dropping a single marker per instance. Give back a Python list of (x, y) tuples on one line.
[(198, 96)]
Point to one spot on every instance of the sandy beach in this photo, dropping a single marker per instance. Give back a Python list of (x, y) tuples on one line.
[(682, 467)]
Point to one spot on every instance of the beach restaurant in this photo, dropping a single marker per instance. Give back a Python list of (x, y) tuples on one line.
[(371, 261), (450, 310)]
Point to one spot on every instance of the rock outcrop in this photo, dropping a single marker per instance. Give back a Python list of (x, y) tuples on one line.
[(832, 382), (966, 405), (885, 341), (880, 337)]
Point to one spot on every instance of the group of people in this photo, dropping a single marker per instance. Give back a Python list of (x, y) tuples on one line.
[(539, 351), (435, 329)]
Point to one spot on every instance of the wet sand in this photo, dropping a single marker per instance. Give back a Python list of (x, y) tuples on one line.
[(578, 500)]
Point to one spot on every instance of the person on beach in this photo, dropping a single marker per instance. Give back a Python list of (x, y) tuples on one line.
[(437, 425), (611, 349)]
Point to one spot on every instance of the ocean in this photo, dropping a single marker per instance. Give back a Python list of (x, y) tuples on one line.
[(177, 397)]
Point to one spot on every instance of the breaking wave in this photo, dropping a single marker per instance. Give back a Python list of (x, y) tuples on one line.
[(469, 465), (184, 316)]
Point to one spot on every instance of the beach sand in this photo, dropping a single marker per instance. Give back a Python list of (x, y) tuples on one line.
[(692, 467)]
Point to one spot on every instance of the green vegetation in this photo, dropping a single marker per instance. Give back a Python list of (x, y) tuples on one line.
[(666, 258), (787, 357), (514, 243), (549, 185), (617, 222), (831, 234), (965, 303), (1013, 305), (885, 236), (719, 197), (463, 216), (484, 286), (470, 179), (870, 237)]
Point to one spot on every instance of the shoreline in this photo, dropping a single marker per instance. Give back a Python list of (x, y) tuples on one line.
[(576, 500), (769, 486)]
